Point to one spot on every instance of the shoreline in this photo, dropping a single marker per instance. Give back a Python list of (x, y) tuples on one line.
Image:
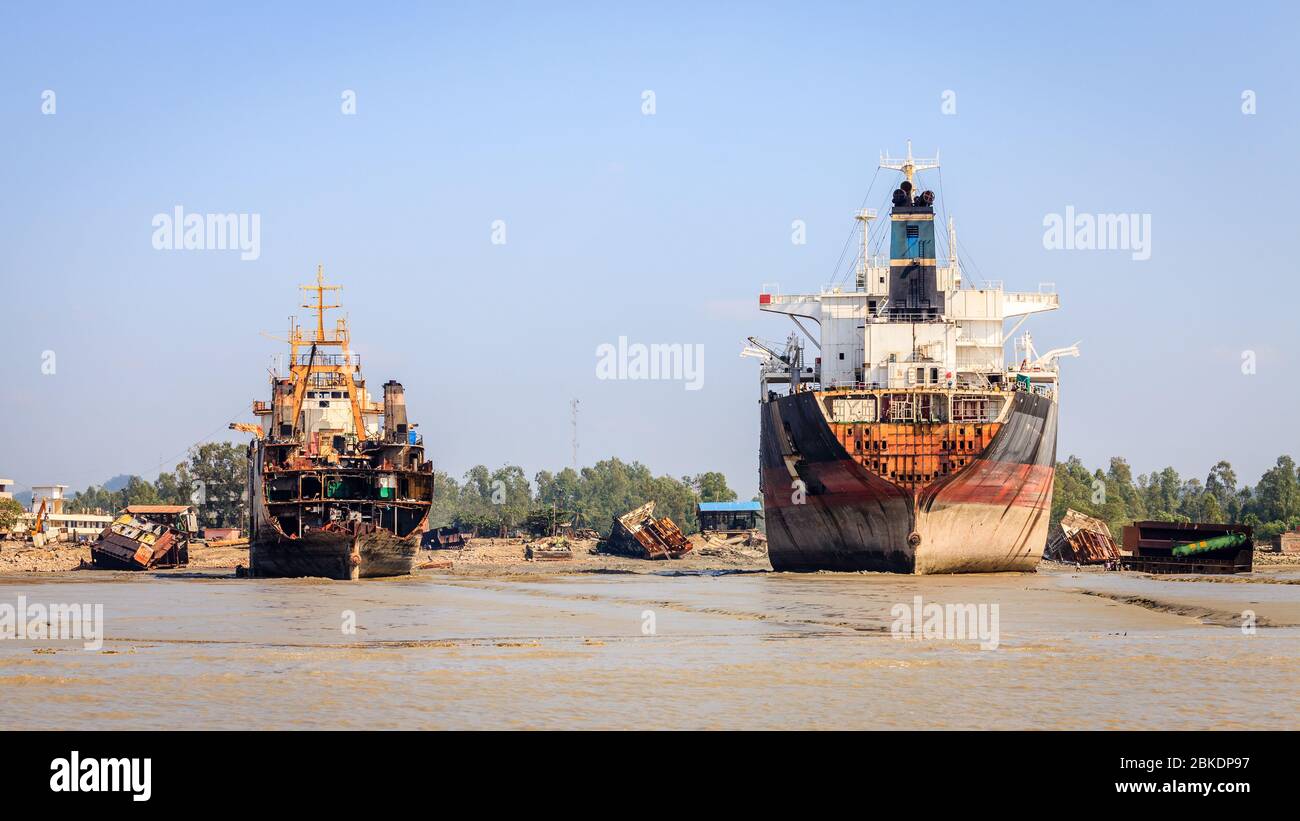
[(507, 557), (1201, 599)]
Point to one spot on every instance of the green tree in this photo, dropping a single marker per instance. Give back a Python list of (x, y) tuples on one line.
[(94, 499), (1210, 510), (10, 510), (491, 501), (1161, 494), (1222, 484), (446, 493), (559, 490), (1191, 502), (1278, 492), (174, 488), (474, 501), (712, 487), (1073, 489), (137, 492), (216, 476), (512, 495)]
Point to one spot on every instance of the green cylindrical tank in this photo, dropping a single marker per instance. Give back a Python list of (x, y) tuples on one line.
[(1207, 545)]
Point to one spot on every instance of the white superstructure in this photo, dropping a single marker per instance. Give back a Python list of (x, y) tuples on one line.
[(889, 332)]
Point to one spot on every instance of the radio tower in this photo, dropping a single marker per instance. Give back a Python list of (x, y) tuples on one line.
[(573, 412)]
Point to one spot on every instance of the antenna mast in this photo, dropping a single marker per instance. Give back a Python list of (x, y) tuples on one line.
[(909, 165), (865, 216)]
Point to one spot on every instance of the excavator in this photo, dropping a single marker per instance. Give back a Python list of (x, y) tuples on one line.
[(40, 520), (248, 427)]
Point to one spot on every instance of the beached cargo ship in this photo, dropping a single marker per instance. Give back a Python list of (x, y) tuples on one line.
[(908, 444), (338, 485)]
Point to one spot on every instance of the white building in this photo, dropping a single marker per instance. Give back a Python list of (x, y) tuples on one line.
[(56, 524), (52, 495)]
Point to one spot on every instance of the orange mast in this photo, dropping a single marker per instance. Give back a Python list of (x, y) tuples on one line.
[(339, 370)]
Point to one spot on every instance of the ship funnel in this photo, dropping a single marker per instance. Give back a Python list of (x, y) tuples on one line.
[(394, 409), (914, 292)]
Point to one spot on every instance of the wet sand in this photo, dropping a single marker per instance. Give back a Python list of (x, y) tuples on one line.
[(24, 557), (536, 646)]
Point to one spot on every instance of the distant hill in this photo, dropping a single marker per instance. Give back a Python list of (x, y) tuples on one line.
[(117, 482)]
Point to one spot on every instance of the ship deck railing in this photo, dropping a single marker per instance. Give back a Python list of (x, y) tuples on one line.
[(335, 359), (886, 316), (877, 386), (316, 500)]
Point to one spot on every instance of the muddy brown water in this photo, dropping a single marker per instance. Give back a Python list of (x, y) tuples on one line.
[(748, 650)]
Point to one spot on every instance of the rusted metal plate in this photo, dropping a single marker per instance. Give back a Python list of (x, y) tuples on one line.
[(443, 538), (1082, 539), (639, 534), (132, 542)]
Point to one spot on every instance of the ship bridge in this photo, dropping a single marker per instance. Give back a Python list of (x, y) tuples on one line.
[(911, 320)]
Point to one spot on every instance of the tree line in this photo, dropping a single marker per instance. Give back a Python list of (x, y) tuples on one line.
[(502, 500), (1270, 506), (212, 479), (484, 500)]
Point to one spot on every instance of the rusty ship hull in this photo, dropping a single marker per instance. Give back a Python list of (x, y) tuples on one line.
[(938, 498), (342, 556)]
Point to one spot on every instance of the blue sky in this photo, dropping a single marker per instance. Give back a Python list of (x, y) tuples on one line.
[(658, 228)]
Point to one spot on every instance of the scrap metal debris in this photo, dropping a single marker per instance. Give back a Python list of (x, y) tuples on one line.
[(443, 538), (751, 545), (144, 537), (549, 550), (640, 535), (1082, 539)]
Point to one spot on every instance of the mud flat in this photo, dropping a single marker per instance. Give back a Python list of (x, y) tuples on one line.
[(22, 557), (661, 645), (1271, 594), (497, 557)]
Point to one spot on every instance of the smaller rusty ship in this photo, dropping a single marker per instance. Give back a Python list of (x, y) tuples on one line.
[(338, 485)]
